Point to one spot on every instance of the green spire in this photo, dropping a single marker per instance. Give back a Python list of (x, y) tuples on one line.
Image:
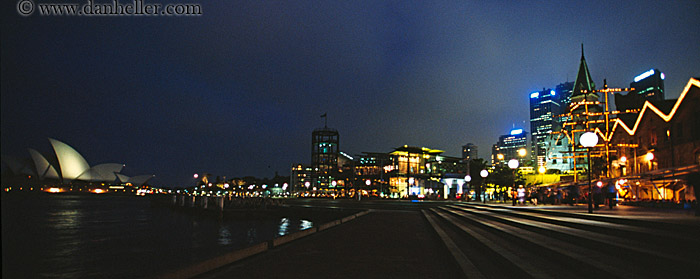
[(583, 78)]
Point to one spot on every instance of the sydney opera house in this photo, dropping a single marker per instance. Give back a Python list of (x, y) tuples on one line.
[(67, 167)]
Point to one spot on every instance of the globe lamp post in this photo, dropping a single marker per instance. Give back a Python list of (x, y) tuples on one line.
[(542, 170), (588, 140), (468, 178), (513, 164), (483, 174)]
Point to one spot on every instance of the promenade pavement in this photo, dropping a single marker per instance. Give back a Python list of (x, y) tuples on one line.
[(391, 243), (626, 211), (381, 244)]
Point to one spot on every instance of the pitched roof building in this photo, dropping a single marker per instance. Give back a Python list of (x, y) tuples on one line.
[(661, 145)]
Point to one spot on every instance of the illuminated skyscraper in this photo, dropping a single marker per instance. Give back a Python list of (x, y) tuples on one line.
[(648, 86), (324, 157), (470, 152), (546, 106), (511, 146)]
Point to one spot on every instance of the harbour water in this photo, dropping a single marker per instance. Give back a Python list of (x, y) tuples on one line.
[(103, 236)]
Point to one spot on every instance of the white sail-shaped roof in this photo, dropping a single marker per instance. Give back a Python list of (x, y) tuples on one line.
[(102, 172), (43, 168), (72, 164), (122, 178), (140, 179), (18, 165)]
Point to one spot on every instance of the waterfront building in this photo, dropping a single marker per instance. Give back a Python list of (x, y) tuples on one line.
[(372, 172), (411, 172), (299, 176), (510, 146), (346, 166), (325, 149), (470, 152), (582, 114), (655, 152)]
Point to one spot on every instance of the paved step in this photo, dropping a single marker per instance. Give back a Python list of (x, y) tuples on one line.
[(579, 221), (516, 236), (603, 241), (542, 244)]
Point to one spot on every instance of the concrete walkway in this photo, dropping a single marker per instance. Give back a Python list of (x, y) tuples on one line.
[(662, 215), (381, 244)]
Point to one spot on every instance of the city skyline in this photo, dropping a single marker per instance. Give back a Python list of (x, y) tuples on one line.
[(238, 90)]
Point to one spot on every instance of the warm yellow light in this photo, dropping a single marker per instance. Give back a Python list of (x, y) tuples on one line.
[(649, 156), (98, 191), (542, 169), (54, 190), (623, 159), (499, 156), (522, 152)]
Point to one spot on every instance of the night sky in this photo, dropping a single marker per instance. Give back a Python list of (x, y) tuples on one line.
[(238, 90)]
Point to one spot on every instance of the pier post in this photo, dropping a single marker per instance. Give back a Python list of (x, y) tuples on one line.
[(181, 200), (219, 201)]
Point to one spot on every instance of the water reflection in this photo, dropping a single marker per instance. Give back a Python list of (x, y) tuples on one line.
[(305, 224), (224, 236), (284, 227), (252, 235), (64, 219), (113, 236)]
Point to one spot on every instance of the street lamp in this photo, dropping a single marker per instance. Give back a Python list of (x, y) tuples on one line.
[(367, 182), (513, 164), (467, 179), (588, 140), (649, 156), (522, 152), (483, 174)]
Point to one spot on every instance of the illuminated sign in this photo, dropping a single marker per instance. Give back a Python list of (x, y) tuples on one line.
[(534, 95), (644, 75), (516, 132)]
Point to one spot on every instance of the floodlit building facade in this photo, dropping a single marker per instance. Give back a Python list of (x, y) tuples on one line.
[(656, 152), (417, 171)]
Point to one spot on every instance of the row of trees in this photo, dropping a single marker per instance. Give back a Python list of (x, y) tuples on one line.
[(500, 176)]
